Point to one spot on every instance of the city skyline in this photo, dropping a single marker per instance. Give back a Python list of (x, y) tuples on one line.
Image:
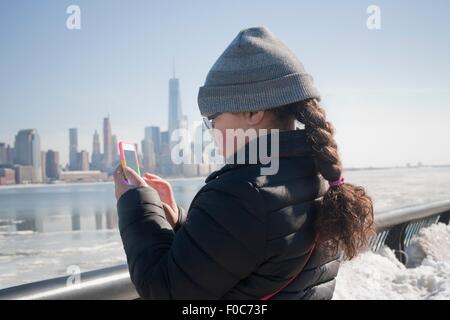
[(26, 162)]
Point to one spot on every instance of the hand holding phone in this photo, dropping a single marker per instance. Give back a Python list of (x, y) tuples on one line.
[(128, 158)]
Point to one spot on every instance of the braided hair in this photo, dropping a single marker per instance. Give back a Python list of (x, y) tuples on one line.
[(344, 220)]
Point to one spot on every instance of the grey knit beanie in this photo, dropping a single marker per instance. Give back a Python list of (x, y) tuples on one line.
[(255, 72)]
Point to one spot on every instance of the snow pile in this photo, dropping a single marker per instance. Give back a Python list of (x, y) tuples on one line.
[(381, 276)]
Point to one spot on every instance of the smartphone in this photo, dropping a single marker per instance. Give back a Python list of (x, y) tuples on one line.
[(128, 157)]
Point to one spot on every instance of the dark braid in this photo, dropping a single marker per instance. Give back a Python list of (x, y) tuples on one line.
[(345, 216)]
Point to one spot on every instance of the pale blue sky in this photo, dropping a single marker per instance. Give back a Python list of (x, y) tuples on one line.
[(386, 91)]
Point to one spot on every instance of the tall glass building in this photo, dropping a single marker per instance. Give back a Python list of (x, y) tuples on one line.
[(107, 143), (153, 134), (27, 147), (73, 148), (175, 112)]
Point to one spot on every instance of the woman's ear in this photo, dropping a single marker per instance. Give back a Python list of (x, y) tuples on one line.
[(254, 118)]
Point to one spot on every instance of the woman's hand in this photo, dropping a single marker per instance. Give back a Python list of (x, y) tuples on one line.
[(134, 181), (165, 192)]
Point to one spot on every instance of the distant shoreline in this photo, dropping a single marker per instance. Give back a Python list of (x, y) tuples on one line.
[(398, 167), (33, 185), (66, 184)]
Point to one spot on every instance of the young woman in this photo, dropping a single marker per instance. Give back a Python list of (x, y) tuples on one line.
[(247, 235)]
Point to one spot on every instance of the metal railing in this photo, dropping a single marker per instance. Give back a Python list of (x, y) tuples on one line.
[(395, 228), (111, 283)]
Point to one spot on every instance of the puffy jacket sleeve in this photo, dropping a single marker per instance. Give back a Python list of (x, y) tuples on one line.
[(220, 244), (182, 216)]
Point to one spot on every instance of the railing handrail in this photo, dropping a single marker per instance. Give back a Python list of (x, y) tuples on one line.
[(389, 218), (114, 282)]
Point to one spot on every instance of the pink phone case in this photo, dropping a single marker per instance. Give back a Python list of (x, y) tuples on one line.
[(122, 158)]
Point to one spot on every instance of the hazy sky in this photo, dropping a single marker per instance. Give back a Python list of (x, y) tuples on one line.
[(386, 91)]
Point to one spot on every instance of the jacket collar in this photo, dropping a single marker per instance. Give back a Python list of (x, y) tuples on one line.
[(292, 143)]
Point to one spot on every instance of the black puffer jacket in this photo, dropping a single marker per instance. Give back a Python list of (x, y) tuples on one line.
[(245, 235)]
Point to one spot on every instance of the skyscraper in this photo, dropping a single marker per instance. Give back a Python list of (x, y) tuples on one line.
[(164, 138), (114, 150), (52, 164), (43, 165), (96, 160), (148, 155), (151, 148), (164, 162), (27, 148), (175, 112), (9, 155), (107, 140), (183, 148), (153, 134), (83, 160), (73, 148), (3, 153)]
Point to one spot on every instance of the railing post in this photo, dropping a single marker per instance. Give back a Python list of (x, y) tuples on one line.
[(445, 217), (395, 241)]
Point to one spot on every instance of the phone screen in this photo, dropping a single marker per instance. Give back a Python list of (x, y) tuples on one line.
[(130, 159)]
